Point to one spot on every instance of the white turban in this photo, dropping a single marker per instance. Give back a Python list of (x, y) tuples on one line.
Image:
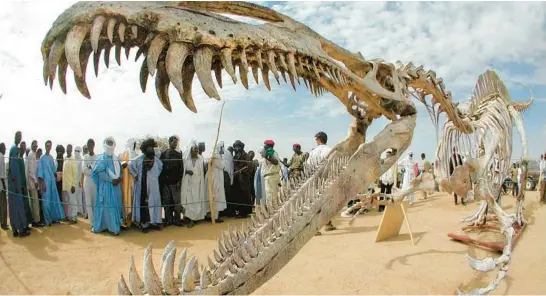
[(109, 150), (78, 153)]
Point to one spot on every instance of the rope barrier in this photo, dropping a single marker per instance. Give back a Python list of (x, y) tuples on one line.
[(163, 160), (121, 206)]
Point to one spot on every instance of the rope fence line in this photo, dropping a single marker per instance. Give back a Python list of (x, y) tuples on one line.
[(121, 206), (163, 160)]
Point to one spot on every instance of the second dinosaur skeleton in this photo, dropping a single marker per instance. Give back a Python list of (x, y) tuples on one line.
[(181, 40)]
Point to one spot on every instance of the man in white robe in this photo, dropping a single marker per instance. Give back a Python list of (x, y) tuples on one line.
[(193, 185), (318, 154), (82, 209), (32, 184), (218, 192), (408, 164), (271, 170), (70, 182), (321, 151), (89, 186)]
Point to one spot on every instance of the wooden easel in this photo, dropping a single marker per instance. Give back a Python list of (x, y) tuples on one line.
[(391, 222)]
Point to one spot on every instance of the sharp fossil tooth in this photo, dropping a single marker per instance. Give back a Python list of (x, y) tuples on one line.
[(121, 32), (271, 64), (182, 263), (305, 82), (61, 73), (218, 73), (55, 54), (118, 52), (255, 72), (143, 78), (80, 80), (188, 282), (202, 61), (237, 259), (141, 50), (107, 48), (253, 220), (122, 287), (265, 76), (96, 29), (225, 59), (300, 62), (156, 47), (264, 211), (226, 242), (188, 72), (233, 237), (231, 266), (134, 32), (243, 73), (127, 51), (283, 62), (314, 64), (211, 264), (110, 29), (73, 43), (135, 283), (167, 274), (244, 61), (276, 228), (259, 58), (162, 86), (204, 281), (222, 249), (292, 67), (151, 279), (217, 257), (176, 55), (283, 75), (45, 70), (244, 253), (196, 274)]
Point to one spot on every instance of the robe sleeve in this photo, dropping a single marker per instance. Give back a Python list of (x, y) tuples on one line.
[(32, 168), (159, 167), (99, 171), (133, 167)]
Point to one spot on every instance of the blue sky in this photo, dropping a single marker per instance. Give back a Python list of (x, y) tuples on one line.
[(459, 40)]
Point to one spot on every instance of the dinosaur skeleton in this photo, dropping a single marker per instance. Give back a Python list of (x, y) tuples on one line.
[(179, 40)]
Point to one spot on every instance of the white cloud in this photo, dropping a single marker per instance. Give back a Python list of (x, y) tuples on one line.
[(457, 39)]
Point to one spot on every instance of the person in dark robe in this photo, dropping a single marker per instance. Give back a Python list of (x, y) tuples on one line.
[(241, 194), (252, 171), (3, 188), (60, 163), (16, 183), (202, 149), (455, 161), (22, 167), (170, 182)]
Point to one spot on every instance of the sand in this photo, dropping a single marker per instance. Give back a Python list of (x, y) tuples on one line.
[(69, 259)]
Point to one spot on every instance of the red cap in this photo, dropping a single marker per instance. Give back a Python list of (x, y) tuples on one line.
[(296, 145), (269, 142)]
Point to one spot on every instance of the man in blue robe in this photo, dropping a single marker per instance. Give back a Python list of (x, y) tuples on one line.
[(146, 169), (16, 196), (52, 208), (107, 177)]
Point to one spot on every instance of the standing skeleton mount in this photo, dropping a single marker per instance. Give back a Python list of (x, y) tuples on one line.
[(181, 39)]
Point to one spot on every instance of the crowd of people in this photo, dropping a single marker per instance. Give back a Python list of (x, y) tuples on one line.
[(149, 190), (153, 189)]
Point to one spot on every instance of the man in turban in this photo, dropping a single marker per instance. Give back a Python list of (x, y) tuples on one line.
[(241, 194), (270, 169)]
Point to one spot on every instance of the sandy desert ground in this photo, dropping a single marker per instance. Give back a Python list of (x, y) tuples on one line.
[(68, 259)]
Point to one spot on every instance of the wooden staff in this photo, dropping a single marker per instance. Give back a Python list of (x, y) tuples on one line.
[(211, 199)]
